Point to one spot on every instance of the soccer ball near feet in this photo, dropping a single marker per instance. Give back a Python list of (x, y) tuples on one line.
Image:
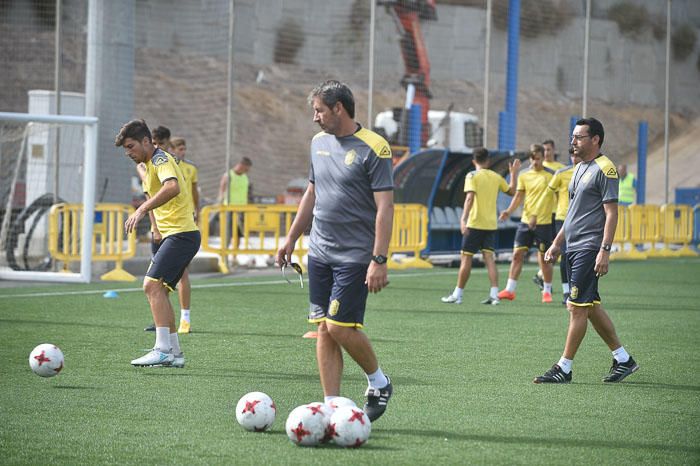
[(349, 427), (307, 425)]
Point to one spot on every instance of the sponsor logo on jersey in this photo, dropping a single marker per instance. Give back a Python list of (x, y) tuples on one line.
[(385, 152), (159, 159), (574, 292), (324, 153)]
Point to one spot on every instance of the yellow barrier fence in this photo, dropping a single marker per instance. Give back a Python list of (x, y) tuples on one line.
[(108, 243), (247, 229), (409, 236), (678, 221)]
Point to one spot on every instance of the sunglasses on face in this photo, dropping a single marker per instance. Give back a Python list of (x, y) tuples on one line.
[(297, 269)]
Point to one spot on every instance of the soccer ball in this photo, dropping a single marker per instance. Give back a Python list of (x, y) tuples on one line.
[(46, 360), (307, 425), (349, 427), (340, 401), (256, 411)]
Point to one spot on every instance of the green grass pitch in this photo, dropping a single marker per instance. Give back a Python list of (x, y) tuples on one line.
[(462, 375)]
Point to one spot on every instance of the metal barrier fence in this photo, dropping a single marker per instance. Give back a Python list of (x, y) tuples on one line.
[(409, 236), (648, 230), (108, 243), (261, 229)]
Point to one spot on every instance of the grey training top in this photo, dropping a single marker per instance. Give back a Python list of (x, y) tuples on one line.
[(346, 172), (593, 184)]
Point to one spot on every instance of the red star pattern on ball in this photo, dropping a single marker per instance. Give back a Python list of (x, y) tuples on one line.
[(42, 358), (300, 432), (316, 409), (358, 443), (330, 433), (357, 416), (250, 406)]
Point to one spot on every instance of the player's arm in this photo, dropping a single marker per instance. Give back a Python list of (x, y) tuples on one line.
[(195, 199), (377, 273), (603, 259), (554, 250), (299, 225), (157, 237), (468, 204), (167, 191), (514, 204), (223, 184)]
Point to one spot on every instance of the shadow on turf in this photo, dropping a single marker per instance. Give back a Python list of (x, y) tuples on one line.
[(548, 442), (67, 323), (76, 387)]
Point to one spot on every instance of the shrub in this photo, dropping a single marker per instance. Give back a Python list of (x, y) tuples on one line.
[(683, 41), (290, 39), (632, 19)]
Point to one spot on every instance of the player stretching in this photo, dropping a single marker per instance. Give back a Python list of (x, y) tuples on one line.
[(589, 229), (170, 201)]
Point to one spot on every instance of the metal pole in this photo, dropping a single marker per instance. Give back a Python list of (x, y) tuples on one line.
[(57, 86), (229, 110), (666, 97), (487, 72), (370, 85), (586, 55)]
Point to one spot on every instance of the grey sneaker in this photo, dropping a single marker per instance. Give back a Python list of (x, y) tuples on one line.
[(451, 299)]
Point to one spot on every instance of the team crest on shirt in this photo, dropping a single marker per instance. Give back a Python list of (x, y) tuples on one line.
[(573, 294), (159, 159), (385, 153), (350, 157), (333, 309)]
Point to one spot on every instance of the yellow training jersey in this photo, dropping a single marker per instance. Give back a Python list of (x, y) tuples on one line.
[(176, 215), (538, 201), (560, 185), (553, 165), (485, 184), (189, 169)]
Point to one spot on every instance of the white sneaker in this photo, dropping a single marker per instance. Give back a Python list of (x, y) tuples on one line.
[(491, 301), (178, 360), (451, 299), (154, 358)]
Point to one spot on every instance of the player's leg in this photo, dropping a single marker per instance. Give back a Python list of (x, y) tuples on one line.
[(524, 238), (488, 251), (544, 238), (465, 268), (329, 356), (184, 292), (623, 364)]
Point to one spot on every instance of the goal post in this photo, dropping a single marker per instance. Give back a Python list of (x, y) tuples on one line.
[(88, 170)]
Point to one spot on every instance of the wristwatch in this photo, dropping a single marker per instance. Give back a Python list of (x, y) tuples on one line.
[(606, 247), (379, 259)]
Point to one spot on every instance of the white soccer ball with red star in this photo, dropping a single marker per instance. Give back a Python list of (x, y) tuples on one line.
[(256, 411), (340, 401), (307, 425), (349, 427), (46, 360)]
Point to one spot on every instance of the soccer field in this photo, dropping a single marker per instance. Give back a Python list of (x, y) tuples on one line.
[(462, 375)]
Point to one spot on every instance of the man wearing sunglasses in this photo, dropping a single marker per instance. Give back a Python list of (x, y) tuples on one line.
[(351, 200)]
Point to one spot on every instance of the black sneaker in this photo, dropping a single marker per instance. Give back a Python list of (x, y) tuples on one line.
[(554, 375), (620, 370), (150, 328), (377, 399), (539, 281)]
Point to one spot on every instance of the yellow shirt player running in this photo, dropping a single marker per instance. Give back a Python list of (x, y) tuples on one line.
[(170, 201), (479, 222), (536, 226)]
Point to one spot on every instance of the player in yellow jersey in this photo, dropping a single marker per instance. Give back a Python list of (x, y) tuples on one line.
[(189, 170), (479, 222), (550, 161), (169, 200), (536, 226)]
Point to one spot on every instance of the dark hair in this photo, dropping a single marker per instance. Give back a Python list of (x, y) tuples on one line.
[(331, 92), (548, 141), (481, 154), (246, 161), (135, 129), (161, 133), (595, 128)]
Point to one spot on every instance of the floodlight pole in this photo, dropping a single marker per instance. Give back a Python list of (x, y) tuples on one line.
[(666, 97), (586, 54), (229, 110), (370, 84), (487, 72), (58, 85)]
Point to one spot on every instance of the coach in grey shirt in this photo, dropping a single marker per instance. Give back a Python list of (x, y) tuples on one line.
[(589, 229), (350, 198)]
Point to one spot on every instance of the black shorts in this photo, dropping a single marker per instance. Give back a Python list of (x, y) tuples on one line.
[(337, 293), (172, 256), (478, 240), (582, 278), (540, 237)]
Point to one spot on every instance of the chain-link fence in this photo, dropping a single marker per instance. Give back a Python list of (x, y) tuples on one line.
[(168, 62)]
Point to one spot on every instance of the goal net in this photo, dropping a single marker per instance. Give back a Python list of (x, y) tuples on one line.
[(45, 160)]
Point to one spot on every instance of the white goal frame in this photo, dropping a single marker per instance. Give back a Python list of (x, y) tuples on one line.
[(89, 173)]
